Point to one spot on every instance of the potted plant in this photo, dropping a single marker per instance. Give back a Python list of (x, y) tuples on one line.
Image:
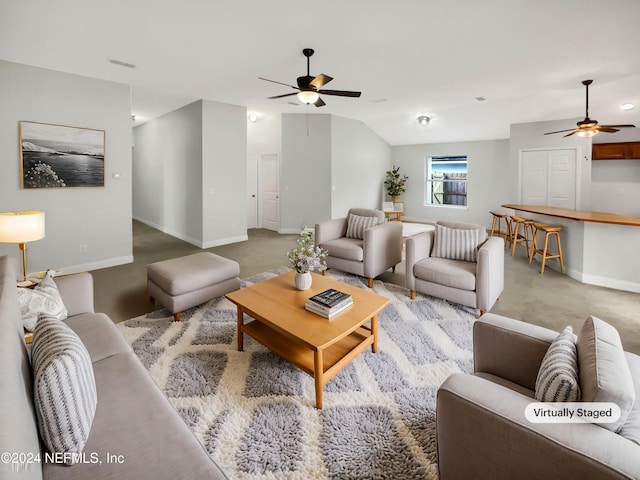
[(306, 258), (394, 183)]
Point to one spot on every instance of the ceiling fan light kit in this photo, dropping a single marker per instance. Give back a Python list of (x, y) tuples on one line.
[(309, 88), (589, 127)]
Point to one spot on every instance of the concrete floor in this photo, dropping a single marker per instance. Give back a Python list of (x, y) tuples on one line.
[(551, 300)]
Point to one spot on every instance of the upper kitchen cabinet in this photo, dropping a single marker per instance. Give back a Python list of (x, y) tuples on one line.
[(616, 151)]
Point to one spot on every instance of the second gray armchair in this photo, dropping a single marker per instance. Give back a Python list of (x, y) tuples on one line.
[(453, 267), (361, 243)]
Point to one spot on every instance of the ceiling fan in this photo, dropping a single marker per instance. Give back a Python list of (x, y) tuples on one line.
[(589, 127), (309, 88)]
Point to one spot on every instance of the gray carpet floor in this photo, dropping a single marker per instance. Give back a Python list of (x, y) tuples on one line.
[(551, 300)]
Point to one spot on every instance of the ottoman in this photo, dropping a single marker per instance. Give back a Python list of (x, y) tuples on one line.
[(184, 282)]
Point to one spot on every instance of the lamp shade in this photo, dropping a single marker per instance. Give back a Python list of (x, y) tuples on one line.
[(308, 96), (21, 227)]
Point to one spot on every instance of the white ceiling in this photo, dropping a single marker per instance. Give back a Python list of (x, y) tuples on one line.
[(408, 57)]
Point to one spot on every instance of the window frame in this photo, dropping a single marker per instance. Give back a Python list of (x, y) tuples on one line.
[(428, 182)]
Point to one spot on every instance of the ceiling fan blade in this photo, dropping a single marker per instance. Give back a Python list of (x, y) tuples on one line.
[(281, 96), (559, 131), (569, 134), (605, 128), (319, 103), (619, 126), (274, 81), (320, 80), (340, 93)]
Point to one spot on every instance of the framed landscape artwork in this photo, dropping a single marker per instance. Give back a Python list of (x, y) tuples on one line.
[(56, 156)]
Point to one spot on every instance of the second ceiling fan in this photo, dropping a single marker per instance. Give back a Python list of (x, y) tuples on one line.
[(589, 127), (309, 88)]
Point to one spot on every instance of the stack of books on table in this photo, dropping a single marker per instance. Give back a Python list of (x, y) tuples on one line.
[(329, 303)]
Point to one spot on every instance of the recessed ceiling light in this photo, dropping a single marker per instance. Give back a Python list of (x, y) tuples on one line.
[(423, 120), (627, 106)]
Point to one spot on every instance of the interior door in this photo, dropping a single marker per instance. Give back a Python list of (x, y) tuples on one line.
[(561, 186), (252, 191), (270, 191), (534, 177), (548, 177)]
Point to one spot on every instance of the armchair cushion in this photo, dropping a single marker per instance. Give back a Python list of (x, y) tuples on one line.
[(356, 225), (451, 273), (557, 379), (456, 243), (347, 248), (604, 371)]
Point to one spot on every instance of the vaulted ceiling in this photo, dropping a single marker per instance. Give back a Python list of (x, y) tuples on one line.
[(408, 57)]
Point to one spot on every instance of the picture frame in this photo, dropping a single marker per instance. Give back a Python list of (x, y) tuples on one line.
[(387, 206), (60, 156), (398, 206)]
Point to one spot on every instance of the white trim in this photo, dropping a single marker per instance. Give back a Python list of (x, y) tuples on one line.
[(285, 231), (193, 241), (85, 267), (225, 241)]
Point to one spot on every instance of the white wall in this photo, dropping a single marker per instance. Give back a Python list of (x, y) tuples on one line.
[(524, 136), (305, 171), (359, 160), (615, 184), (167, 173), (98, 217), (190, 173), (488, 181), (224, 173)]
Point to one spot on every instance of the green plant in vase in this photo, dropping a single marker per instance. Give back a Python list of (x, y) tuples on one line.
[(395, 183)]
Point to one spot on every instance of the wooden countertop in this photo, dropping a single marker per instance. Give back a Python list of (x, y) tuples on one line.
[(578, 215)]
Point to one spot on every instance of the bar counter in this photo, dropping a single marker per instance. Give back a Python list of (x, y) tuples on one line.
[(598, 248)]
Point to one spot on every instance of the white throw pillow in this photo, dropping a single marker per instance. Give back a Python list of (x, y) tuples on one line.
[(456, 243), (558, 375), (43, 299), (356, 225), (64, 387)]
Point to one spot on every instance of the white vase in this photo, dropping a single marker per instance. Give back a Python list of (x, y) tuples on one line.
[(303, 281)]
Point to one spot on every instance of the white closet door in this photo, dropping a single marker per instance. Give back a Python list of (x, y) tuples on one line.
[(534, 177), (561, 188)]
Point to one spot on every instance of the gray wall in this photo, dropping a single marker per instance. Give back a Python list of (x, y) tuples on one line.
[(224, 173), (359, 160), (488, 180), (305, 171), (99, 218), (167, 172), (190, 173)]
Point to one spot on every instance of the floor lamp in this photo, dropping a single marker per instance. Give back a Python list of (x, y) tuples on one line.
[(20, 228)]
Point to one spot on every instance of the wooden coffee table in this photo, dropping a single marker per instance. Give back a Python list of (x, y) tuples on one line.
[(318, 346)]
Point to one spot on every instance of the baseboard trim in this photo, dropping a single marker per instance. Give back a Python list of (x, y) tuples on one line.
[(193, 241), (97, 265), (284, 231)]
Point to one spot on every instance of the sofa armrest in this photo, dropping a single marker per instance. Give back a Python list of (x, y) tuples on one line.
[(76, 292), (382, 246), (330, 230), (417, 247), (482, 433), (509, 348), (490, 273)]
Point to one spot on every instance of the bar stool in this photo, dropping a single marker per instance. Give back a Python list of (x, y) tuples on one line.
[(516, 237), (548, 230), (496, 226)]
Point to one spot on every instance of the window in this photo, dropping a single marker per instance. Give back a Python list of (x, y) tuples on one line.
[(445, 181)]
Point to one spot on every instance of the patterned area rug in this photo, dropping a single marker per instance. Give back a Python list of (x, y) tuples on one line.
[(255, 413)]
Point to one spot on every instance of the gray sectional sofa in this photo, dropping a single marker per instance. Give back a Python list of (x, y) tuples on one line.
[(136, 433)]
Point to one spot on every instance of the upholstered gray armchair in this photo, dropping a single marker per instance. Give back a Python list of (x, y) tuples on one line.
[(446, 263), (361, 243)]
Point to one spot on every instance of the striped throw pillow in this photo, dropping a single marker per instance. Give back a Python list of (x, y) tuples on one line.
[(456, 243), (557, 379), (64, 387), (356, 225)]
